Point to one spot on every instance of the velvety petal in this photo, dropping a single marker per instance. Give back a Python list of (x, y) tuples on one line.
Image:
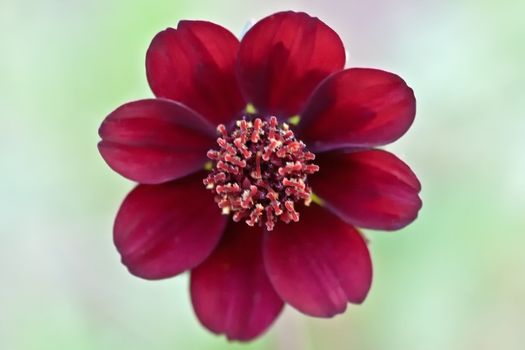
[(163, 230), (372, 189), (319, 264), (358, 108), (283, 57), (230, 291), (194, 64), (154, 141)]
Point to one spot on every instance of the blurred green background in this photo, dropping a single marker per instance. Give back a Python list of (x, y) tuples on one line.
[(452, 280)]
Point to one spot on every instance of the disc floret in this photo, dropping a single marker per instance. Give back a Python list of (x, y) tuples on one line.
[(260, 172)]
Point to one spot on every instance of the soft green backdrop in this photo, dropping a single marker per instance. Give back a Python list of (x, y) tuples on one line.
[(452, 280)]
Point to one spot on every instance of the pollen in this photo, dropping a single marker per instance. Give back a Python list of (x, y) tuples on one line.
[(260, 172)]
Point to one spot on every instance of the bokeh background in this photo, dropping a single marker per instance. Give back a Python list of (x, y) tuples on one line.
[(455, 279)]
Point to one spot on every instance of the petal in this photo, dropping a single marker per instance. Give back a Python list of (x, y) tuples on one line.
[(283, 57), (318, 264), (194, 64), (230, 291), (163, 230), (372, 189), (358, 108), (154, 141)]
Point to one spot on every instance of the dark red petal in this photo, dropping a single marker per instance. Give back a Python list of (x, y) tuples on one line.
[(282, 59), (163, 230), (194, 64), (318, 264), (358, 108), (230, 291), (372, 189), (154, 141)]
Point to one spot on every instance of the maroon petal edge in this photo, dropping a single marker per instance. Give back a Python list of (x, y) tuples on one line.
[(283, 57), (163, 230), (319, 264), (195, 64), (230, 291), (372, 189), (357, 107), (154, 141)]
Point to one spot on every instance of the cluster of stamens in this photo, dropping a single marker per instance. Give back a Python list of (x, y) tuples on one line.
[(260, 172)]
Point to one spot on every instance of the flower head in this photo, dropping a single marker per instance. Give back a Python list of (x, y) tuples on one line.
[(255, 164)]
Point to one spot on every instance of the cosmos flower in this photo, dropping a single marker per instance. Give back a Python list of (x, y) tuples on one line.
[(256, 163)]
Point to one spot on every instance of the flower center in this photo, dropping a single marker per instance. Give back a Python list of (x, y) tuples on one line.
[(259, 172)]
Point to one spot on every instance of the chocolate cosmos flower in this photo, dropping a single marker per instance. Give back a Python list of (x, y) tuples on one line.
[(255, 163)]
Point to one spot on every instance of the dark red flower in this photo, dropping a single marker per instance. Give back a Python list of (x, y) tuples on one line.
[(274, 132)]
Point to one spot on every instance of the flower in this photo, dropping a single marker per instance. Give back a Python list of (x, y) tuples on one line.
[(255, 163)]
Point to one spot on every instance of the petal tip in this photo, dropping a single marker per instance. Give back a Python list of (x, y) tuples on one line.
[(282, 40), (317, 273)]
